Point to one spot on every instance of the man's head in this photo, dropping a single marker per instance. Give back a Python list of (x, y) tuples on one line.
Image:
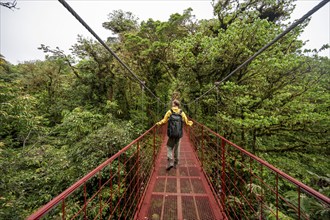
[(176, 103)]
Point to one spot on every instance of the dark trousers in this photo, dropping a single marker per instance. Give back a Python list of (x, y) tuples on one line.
[(173, 146)]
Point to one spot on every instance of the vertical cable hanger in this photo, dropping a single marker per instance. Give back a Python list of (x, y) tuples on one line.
[(217, 104), (158, 112), (195, 110), (142, 104), (217, 110)]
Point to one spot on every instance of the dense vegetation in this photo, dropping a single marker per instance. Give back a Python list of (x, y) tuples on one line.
[(63, 116)]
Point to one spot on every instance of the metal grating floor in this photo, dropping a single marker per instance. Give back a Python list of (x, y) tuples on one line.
[(182, 193)]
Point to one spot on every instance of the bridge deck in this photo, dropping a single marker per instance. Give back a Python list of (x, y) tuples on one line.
[(181, 193)]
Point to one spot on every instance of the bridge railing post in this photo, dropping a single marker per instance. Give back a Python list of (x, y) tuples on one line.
[(202, 159), (100, 195), (188, 129), (298, 188), (154, 147), (85, 202), (110, 189), (138, 168), (63, 209), (223, 172), (276, 192)]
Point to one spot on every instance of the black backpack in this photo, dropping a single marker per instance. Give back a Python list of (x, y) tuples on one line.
[(174, 128)]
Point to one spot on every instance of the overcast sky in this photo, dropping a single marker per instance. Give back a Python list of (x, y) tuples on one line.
[(48, 22)]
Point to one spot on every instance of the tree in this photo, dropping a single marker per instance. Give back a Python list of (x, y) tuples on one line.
[(120, 21), (228, 11), (150, 48), (4, 66), (61, 117), (266, 106)]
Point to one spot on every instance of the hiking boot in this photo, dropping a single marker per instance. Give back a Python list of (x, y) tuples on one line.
[(169, 167), (169, 164)]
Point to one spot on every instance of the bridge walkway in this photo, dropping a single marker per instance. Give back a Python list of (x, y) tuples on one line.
[(182, 192)]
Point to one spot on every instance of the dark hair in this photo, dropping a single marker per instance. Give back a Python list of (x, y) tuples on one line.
[(176, 102)]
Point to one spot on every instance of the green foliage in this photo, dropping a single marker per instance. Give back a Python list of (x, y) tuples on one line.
[(120, 21), (30, 178), (79, 123), (271, 10), (18, 115), (62, 117), (99, 145), (309, 205), (270, 214)]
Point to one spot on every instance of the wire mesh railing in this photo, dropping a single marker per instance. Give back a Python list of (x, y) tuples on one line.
[(114, 189), (244, 185), (249, 187)]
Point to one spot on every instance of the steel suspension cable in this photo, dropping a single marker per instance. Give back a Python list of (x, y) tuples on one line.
[(292, 26), (70, 9)]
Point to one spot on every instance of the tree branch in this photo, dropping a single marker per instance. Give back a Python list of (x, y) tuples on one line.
[(10, 5), (60, 53)]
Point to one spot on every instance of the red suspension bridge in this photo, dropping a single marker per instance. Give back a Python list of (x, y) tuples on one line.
[(215, 179)]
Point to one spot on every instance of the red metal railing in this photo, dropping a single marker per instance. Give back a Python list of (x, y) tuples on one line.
[(114, 189), (250, 188), (246, 186)]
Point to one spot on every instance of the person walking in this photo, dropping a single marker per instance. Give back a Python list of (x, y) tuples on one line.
[(175, 118)]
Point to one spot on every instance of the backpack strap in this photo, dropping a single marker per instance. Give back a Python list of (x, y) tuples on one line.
[(176, 113)]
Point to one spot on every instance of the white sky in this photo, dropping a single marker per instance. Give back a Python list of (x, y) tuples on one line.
[(48, 22)]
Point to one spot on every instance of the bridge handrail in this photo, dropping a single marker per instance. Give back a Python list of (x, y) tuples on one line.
[(306, 188), (46, 208)]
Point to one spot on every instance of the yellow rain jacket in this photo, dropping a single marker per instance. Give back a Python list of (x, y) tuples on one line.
[(176, 110)]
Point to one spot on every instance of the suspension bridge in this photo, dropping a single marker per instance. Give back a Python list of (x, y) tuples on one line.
[(215, 178)]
